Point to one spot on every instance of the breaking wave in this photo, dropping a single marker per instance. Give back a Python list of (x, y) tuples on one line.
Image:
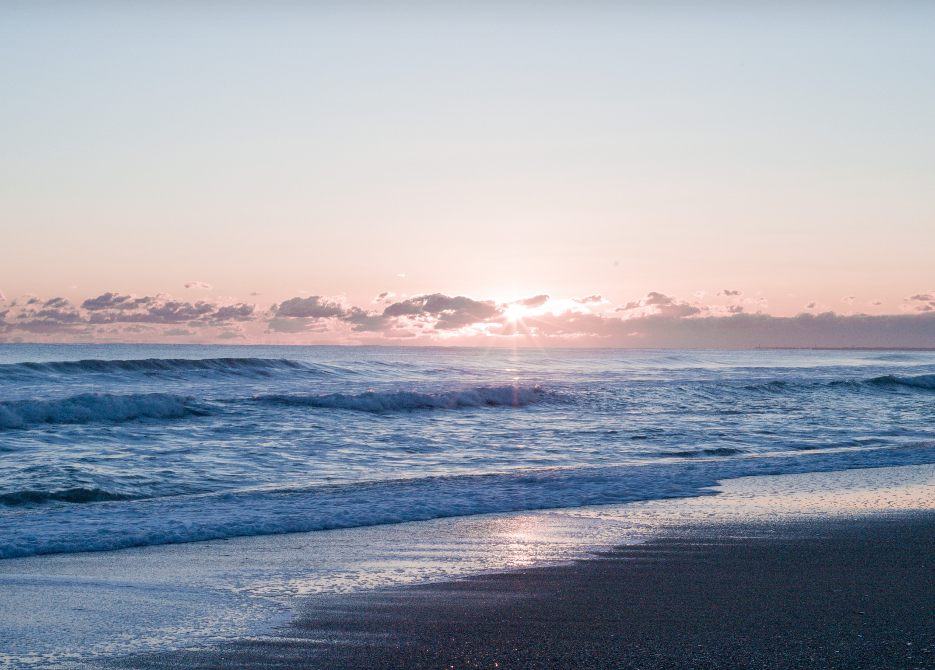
[(95, 407), (403, 401)]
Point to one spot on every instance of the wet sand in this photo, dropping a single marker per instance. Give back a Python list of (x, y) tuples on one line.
[(855, 592)]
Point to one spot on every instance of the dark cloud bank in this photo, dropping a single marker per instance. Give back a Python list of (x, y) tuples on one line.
[(656, 320)]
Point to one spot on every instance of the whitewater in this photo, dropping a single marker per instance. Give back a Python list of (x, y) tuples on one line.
[(107, 447)]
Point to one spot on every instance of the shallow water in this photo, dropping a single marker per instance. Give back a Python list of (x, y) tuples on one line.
[(77, 608)]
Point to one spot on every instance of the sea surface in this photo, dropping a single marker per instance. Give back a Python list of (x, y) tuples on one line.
[(106, 447)]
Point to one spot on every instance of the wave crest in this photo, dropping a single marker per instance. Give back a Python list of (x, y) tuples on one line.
[(403, 401), (917, 381), (95, 407), (234, 366)]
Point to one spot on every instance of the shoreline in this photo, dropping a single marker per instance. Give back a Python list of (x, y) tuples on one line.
[(852, 592), (755, 572)]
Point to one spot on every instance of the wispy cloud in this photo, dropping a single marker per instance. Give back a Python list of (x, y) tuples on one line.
[(199, 285), (535, 301), (595, 299), (920, 302)]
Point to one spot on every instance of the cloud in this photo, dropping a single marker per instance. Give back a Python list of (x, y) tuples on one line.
[(314, 307), (400, 275), (364, 321), (450, 312), (726, 309), (875, 303), (199, 285), (730, 292), (383, 296), (58, 316), (927, 298), (848, 299), (114, 301), (924, 307), (814, 305), (43, 318), (655, 304), (303, 314), (533, 302), (2, 297), (655, 320), (238, 312), (288, 325)]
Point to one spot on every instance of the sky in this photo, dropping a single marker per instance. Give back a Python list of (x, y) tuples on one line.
[(667, 173)]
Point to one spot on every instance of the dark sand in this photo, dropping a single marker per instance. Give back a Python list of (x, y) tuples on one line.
[(856, 593)]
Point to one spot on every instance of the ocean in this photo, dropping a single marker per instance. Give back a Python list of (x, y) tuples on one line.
[(106, 447)]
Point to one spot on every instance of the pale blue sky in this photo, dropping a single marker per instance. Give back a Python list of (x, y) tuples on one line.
[(774, 148)]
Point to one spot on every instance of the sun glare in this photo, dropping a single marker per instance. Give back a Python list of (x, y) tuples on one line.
[(514, 312)]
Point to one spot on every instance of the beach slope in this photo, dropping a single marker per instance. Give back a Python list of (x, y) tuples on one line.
[(835, 593)]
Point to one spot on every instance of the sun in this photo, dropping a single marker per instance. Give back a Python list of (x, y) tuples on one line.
[(514, 312)]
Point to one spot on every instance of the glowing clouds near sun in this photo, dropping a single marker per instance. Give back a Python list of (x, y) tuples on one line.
[(654, 320)]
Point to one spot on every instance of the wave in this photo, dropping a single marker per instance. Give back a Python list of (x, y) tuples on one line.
[(95, 407), (789, 387), (107, 526), (235, 366), (402, 401), (918, 381), (73, 495)]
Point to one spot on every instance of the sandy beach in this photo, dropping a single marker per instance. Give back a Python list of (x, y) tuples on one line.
[(818, 589)]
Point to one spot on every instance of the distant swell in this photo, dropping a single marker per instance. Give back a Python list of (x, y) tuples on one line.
[(918, 381), (152, 365), (95, 407), (401, 401)]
